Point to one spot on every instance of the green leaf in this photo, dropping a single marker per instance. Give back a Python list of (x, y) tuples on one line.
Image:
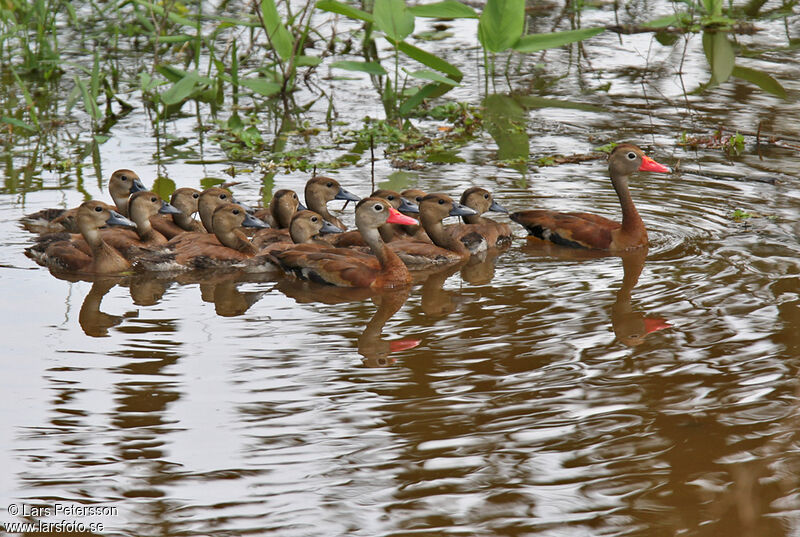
[(535, 42), (429, 60), (713, 7), (179, 91), (278, 34), (505, 120), (164, 187), (175, 38), (261, 86), (312, 61), (760, 79), (532, 101), (501, 23), (90, 104), (424, 74), (393, 18), (173, 74), (14, 122), (372, 68), (425, 92), (448, 9), (333, 6), (662, 22), (720, 55)]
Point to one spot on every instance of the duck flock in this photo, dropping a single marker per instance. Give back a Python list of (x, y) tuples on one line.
[(398, 234)]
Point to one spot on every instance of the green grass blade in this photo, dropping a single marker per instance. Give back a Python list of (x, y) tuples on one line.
[(372, 68), (424, 74), (429, 60), (448, 9), (760, 79), (333, 6), (261, 86), (536, 42), (179, 91)]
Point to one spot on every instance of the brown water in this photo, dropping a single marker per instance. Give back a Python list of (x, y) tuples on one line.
[(532, 394)]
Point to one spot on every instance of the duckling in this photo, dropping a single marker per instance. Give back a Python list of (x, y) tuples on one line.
[(64, 255), (480, 200), (320, 190), (121, 185), (186, 200), (344, 267), (228, 247)]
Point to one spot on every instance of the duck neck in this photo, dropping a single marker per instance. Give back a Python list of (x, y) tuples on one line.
[(143, 228), (472, 219), (440, 237), (122, 203), (319, 205), (184, 221), (104, 257), (387, 232), (386, 257), (206, 216), (631, 221), (236, 240), (282, 215)]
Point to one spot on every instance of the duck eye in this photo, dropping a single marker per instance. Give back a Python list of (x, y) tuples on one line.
[(195, 195), (631, 155), (223, 196), (329, 184), (153, 200), (378, 207), (313, 218), (441, 202), (294, 196), (123, 177), (486, 196), (235, 211), (98, 209), (390, 198)]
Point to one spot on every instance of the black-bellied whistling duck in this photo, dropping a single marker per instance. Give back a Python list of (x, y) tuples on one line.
[(186, 200), (64, 255), (320, 190), (446, 248), (480, 200), (388, 231), (282, 207), (227, 247), (211, 199), (141, 207), (586, 230), (345, 267), (305, 227), (121, 185), (414, 195)]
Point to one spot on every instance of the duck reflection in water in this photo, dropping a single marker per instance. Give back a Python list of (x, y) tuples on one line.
[(372, 346), (630, 327)]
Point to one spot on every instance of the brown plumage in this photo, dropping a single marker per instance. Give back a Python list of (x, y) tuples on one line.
[(121, 185), (228, 247), (345, 267), (64, 255), (170, 225), (586, 230), (283, 206), (388, 231), (446, 249), (319, 191), (495, 234)]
